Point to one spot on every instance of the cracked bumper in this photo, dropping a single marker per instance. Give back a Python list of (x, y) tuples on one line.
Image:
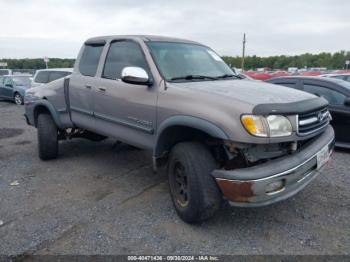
[(248, 187)]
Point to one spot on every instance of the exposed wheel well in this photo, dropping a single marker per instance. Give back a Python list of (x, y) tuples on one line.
[(39, 110), (176, 134)]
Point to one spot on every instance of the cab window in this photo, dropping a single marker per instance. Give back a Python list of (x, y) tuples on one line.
[(122, 54), (89, 60)]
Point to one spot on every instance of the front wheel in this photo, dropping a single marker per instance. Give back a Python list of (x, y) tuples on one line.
[(194, 192), (18, 99), (47, 137)]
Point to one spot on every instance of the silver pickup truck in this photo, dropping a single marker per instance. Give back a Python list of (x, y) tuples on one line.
[(221, 138)]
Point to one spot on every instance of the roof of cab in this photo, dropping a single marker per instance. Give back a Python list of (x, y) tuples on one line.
[(145, 38)]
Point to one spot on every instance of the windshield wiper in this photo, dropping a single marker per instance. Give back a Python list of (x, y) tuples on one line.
[(227, 76), (193, 77)]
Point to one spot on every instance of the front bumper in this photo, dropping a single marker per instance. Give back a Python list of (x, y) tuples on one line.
[(247, 187)]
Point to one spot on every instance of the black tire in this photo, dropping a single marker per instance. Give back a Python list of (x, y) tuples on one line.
[(203, 195), (47, 137), (18, 99)]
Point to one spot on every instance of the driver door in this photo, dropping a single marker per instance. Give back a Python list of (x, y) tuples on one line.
[(125, 111)]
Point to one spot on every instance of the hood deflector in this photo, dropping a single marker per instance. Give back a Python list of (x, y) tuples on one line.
[(293, 108)]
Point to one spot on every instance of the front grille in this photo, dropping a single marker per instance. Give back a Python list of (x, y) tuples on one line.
[(312, 122)]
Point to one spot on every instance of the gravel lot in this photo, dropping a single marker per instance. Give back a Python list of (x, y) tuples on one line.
[(103, 198)]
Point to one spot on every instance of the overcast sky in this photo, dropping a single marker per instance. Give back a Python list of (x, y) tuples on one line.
[(35, 28)]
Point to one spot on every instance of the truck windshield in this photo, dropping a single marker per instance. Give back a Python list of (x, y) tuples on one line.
[(188, 62)]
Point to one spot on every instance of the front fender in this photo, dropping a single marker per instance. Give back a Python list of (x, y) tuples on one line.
[(186, 121), (20, 91)]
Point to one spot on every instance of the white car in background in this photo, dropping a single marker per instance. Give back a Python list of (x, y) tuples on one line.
[(45, 76), (4, 72), (344, 76)]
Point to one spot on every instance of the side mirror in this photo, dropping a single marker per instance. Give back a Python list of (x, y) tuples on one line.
[(347, 101), (135, 75), (9, 85)]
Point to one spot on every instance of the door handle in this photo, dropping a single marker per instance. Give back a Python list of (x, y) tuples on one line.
[(101, 89), (88, 86)]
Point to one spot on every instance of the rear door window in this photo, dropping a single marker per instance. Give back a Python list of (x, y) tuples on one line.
[(89, 60), (42, 77)]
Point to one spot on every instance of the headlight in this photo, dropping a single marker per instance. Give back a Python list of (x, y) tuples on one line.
[(270, 126), (279, 126)]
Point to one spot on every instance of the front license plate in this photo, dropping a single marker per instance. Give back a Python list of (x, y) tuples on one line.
[(322, 157)]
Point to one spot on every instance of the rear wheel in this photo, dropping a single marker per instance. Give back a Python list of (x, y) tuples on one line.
[(18, 99), (47, 137), (194, 192)]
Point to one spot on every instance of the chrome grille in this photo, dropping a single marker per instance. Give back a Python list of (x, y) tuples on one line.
[(312, 122)]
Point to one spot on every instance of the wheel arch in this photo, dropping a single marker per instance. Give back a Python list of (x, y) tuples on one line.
[(181, 128), (17, 92), (44, 106)]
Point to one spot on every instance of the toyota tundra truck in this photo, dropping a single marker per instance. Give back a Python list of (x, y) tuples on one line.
[(219, 137)]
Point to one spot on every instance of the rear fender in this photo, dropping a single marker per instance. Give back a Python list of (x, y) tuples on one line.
[(44, 104)]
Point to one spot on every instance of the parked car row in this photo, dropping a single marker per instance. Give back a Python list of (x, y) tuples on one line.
[(266, 75), (344, 76), (13, 87)]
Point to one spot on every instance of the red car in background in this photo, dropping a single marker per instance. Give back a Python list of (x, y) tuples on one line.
[(258, 75), (279, 74), (311, 73)]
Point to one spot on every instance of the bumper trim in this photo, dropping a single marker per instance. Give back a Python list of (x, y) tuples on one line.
[(279, 196), (248, 187)]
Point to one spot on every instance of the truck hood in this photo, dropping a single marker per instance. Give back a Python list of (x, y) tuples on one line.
[(250, 92)]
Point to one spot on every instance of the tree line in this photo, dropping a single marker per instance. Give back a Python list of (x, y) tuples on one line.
[(329, 60), (38, 63)]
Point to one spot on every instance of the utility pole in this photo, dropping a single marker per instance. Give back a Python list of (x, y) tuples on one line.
[(243, 52), (46, 60)]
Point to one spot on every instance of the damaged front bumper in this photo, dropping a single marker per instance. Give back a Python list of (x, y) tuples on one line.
[(277, 179)]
